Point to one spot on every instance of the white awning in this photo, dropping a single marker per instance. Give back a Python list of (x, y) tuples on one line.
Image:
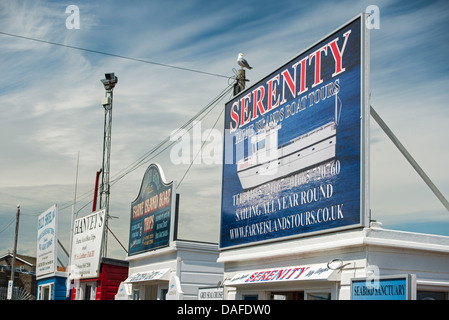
[(162, 274), (286, 274)]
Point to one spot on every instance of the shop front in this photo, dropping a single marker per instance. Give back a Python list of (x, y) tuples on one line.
[(331, 267), (51, 278), (173, 273), (151, 285), (53, 287), (105, 286), (307, 282), (161, 266)]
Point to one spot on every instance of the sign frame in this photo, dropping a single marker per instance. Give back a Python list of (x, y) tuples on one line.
[(147, 211), (409, 280), (363, 196)]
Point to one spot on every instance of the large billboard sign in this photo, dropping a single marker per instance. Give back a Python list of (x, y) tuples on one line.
[(152, 213), (47, 237), (295, 156), (87, 241)]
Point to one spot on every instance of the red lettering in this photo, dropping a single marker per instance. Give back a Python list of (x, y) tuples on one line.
[(253, 105), (244, 109), (337, 54), (293, 271), (270, 275), (151, 204), (257, 102), (148, 223), (317, 56), (259, 276), (302, 77), (282, 273), (164, 198), (251, 279), (138, 210), (301, 270), (265, 275), (234, 116), (272, 93), (290, 82), (147, 206)]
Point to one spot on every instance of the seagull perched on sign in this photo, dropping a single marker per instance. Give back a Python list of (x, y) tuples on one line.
[(242, 62)]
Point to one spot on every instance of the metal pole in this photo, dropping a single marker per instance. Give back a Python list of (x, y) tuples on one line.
[(109, 84), (409, 158), (104, 193), (76, 179), (68, 282), (13, 264), (94, 203)]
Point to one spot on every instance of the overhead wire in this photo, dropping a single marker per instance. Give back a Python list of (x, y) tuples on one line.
[(113, 55), (146, 157), (152, 153), (9, 223), (138, 162), (208, 108), (202, 145)]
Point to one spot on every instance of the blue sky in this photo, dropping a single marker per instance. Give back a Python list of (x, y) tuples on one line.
[(50, 101)]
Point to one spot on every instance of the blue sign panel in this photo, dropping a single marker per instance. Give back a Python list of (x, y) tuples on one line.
[(151, 213), (383, 289), (292, 148)]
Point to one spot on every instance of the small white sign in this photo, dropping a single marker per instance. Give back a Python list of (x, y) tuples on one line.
[(47, 224), (9, 293), (86, 245), (211, 293)]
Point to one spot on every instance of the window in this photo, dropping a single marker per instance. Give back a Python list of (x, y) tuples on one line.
[(136, 294), (258, 145), (318, 296), (87, 292), (261, 144), (250, 297), (287, 295), (431, 295), (164, 294), (46, 292)]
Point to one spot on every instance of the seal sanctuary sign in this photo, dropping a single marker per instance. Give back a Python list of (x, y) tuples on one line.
[(295, 145), (152, 213)]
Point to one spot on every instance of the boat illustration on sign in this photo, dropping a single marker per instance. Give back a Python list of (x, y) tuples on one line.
[(269, 161)]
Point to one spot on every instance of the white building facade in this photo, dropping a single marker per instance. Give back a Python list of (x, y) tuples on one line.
[(323, 267), (175, 272)]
